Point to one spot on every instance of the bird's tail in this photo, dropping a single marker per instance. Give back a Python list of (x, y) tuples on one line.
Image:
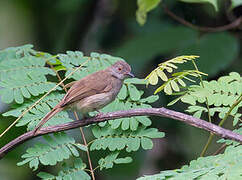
[(47, 117)]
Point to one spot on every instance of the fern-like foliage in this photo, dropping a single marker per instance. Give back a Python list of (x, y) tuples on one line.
[(113, 136), (23, 74), (172, 84), (34, 116), (220, 94), (58, 148), (111, 159), (74, 172), (222, 166), (213, 97), (117, 139)]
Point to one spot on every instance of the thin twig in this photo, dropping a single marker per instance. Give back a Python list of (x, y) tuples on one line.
[(220, 149), (76, 116), (88, 154), (163, 112), (232, 25), (37, 102)]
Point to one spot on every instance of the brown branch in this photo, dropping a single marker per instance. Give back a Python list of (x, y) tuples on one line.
[(232, 25), (224, 133)]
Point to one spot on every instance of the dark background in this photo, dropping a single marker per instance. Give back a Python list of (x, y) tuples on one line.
[(110, 26)]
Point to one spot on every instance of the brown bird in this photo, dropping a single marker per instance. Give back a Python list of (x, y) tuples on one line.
[(92, 92)]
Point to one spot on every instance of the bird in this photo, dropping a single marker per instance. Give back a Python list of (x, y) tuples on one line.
[(92, 92)]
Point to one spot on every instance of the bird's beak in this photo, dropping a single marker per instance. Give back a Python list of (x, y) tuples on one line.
[(130, 74)]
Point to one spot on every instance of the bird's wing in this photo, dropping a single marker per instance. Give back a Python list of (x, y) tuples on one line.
[(92, 84)]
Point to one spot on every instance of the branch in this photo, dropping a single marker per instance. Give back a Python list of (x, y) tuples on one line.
[(224, 133), (232, 25)]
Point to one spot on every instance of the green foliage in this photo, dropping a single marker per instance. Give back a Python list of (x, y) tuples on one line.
[(58, 148), (145, 6), (117, 139), (122, 134), (94, 63), (222, 166), (173, 83), (23, 75), (74, 172), (220, 94), (111, 159), (223, 97), (34, 116)]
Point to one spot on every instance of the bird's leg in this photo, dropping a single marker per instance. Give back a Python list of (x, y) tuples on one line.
[(99, 113)]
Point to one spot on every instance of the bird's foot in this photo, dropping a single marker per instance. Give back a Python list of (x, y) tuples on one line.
[(99, 113)]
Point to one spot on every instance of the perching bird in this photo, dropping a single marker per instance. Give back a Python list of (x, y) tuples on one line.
[(92, 92)]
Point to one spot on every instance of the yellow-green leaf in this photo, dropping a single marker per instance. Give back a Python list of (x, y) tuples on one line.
[(161, 74), (153, 79), (174, 86), (167, 89), (171, 65), (169, 69), (181, 82)]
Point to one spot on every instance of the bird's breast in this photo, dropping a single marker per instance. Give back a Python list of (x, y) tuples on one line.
[(98, 101)]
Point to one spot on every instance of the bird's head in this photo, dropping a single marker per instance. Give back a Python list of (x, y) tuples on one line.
[(121, 70)]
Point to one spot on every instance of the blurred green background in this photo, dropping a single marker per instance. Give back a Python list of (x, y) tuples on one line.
[(110, 26)]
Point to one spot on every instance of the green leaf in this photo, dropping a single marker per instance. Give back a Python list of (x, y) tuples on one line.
[(144, 120), (144, 6), (125, 124), (123, 93), (133, 124), (133, 92), (150, 99), (188, 99), (146, 143), (135, 81), (7, 95), (123, 160), (212, 2)]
